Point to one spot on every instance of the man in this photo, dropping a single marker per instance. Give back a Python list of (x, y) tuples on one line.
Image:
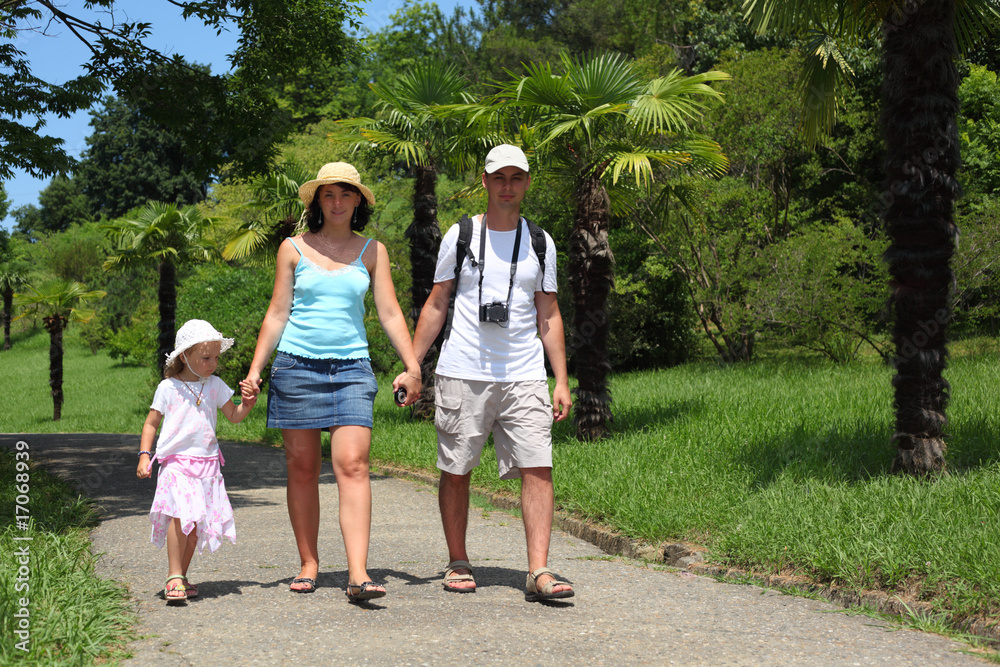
[(491, 372)]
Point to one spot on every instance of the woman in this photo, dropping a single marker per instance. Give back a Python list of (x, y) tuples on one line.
[(321, 377)]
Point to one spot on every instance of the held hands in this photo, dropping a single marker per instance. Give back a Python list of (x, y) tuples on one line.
[(562, 401), (411, 383), (249, 388)]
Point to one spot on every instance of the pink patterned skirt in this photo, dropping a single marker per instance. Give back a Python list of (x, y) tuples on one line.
[(192, 489)]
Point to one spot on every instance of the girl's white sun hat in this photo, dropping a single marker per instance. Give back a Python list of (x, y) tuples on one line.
[(194, 332)]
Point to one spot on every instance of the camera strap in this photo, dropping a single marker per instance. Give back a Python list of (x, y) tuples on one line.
[(482, 260)]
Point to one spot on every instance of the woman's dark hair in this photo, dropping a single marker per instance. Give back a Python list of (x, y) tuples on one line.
[(314, 218)]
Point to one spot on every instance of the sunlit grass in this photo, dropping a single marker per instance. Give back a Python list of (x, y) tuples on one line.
[(72, 617)]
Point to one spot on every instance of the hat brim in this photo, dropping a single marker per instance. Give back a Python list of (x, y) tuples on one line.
[(307, 191), (226, 344)]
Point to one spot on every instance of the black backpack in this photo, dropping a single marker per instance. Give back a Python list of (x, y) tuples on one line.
[(462, 250)]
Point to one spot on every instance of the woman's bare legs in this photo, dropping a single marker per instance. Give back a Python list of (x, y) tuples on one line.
[(302, 457), (349, 448)]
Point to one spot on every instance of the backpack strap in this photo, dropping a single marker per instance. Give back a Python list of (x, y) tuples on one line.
[(538, 243), (461, 251)]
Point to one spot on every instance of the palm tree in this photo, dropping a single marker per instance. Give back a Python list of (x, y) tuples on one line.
[(409, 126), (165, 236), (920, 41), (590, 126), (269, 217), (13, 275), (59, 302)]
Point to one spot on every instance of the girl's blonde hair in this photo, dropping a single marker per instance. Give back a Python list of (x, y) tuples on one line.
[(174, 367)]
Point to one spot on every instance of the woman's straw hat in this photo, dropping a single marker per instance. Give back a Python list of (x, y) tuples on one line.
[(334, 172), (194, 332)]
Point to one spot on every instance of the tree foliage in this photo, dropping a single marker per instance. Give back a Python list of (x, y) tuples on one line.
[(277, 38), (132, 159)]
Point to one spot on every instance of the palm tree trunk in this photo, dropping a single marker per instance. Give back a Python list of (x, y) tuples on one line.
[(55, 324), (591, 277), (919, 107), (424, 236), (8, 310), (168, 312)]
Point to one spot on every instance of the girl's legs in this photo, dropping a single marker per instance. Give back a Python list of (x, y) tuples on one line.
[(177, 564), (302, 457), (349, 448)]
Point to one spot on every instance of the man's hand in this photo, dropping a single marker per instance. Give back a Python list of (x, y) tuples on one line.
[(562, 401)]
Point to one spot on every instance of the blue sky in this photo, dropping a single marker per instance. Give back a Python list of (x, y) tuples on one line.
[(57, 58)]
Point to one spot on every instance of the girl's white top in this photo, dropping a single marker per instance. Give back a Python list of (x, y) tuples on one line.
[(188, 428)]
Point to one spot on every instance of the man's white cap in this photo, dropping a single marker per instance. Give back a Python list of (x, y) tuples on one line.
[(506, 155)]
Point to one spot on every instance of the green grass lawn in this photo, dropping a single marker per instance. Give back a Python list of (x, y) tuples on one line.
[(778, 466), (72, 616)]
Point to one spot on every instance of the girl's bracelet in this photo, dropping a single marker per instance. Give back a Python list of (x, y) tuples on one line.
[(149, 454), (415, 377)]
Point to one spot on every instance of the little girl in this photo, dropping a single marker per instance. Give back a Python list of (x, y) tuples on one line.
[(190, 508)]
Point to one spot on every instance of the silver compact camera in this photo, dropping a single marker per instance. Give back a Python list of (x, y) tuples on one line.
[(496, 312)]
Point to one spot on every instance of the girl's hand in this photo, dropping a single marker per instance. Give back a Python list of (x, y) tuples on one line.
[(144, 469), (250, 386), (413, 387)]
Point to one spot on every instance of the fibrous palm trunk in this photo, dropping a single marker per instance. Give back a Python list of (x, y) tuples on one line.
[(167, 294), (8, 309), (591, 277), (919, 107), (55, 324), (424, 236)]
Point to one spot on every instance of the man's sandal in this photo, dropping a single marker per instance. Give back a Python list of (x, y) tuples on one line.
[(366, 591), (451, 577), (534, 594), (176, 592)]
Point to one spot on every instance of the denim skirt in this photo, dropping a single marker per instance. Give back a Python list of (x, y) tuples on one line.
[(320, 393)]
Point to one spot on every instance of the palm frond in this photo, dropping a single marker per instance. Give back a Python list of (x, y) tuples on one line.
[(668, 103)]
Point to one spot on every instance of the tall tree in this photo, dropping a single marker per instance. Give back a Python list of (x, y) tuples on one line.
[(591, 126), (14, 268), (408, 127), (132, 158), (164, 236), (920, 42), (59, 303), (278, 38)]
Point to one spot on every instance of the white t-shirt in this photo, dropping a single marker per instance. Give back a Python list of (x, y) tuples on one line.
[(188, 428), (484, 350)]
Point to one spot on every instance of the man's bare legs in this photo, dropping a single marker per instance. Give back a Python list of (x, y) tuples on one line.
[(537, 507), (537, 503), (453, 500)]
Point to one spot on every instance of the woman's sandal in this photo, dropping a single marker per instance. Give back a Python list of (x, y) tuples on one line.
[(366, 591), (451, 578), (177, 592), (309, 582), (534, 594)]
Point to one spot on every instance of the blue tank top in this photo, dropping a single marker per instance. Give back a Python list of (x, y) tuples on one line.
[(328, 311)]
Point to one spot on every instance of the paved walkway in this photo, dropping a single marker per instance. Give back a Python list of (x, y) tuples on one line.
[(624, 612)]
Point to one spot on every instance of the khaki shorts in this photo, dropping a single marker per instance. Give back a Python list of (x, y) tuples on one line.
[(519, 414)]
